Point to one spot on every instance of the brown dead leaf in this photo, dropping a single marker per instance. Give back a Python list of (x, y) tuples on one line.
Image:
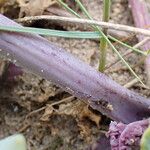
[(33, 7), (86, 113), (21, 2), (48, 113), (2, 2), (85, 131), (79, 111)]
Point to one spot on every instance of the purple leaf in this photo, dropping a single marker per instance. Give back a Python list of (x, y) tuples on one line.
[(71, 74)]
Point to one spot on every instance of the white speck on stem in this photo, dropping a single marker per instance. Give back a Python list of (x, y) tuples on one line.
[(14, 61)]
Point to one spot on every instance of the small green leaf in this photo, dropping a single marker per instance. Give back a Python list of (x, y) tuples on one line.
[(145, 141), (15, 142)]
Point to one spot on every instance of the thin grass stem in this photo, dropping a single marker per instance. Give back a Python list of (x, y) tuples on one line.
[(103, 42)]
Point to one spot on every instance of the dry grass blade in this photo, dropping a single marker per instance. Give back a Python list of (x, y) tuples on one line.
[(101, 24)]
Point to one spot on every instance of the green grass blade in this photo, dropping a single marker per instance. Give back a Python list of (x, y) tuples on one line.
[(68, 8), (96, 28), (103, 42), (103, 53), (49, 32), (128, 46), (83, 9), (124, 61), (106, 38)]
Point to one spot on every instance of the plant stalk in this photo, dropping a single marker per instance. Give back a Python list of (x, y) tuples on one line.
[(103, 42), (53, 63)]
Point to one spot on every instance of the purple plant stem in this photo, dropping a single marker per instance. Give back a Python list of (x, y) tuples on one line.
[(53, 63), (141, 18)]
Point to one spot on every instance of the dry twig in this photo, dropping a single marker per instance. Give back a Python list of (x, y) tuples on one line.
[(114, 26), (55, 103)]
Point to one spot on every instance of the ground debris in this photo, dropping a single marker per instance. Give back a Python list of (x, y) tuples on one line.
[(33, 7)]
